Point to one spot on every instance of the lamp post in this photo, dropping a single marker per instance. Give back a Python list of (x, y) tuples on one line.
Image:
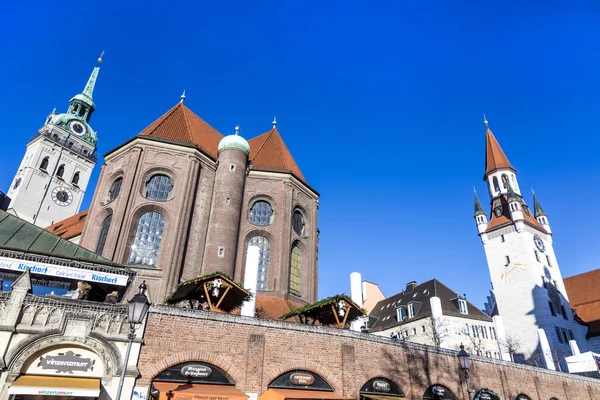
[(463, 359), (138, 308)]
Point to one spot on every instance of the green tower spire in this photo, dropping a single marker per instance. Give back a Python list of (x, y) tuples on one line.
[(538, 211), (512, 196), (478, 208)]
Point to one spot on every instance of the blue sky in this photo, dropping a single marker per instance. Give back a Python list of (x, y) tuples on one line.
[(380, 103)]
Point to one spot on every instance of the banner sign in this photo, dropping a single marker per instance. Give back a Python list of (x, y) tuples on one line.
[(63, 272)]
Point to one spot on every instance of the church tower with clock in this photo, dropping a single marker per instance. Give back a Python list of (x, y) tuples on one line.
[(51, 181), (527, 285)]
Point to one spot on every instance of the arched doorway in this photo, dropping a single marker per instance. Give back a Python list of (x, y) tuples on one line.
[(300, 385), (198, 380), (438, 392), (380, 389)]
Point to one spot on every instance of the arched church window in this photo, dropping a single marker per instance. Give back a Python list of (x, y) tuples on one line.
[(298, 223), (60, 171), (158, 187), (496, 185), (115, 189), (263, 260), (44, 164), (148, 236), (75, 180), (103, 234), (17, 183), (505, 181), (296, 271), (261, 213)]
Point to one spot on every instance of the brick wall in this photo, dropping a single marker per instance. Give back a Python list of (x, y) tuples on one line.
[(254, 352)]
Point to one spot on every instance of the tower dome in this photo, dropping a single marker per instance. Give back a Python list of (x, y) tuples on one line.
[(234, 142)]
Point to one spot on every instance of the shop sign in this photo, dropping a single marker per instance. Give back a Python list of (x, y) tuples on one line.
[(62, 271), (67, 362), (196, 371), (438, 391), (381, 386), (302, 379)]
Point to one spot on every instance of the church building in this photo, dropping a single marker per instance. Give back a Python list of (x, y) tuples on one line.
[(528, 293)]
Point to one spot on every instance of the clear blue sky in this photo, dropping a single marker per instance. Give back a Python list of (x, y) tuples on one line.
[(380, 103)]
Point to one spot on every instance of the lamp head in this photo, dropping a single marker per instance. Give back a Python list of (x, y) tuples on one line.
[(463, 359)]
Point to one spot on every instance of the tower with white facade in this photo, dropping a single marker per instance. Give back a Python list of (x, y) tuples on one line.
[(527, 283), (51, 181)]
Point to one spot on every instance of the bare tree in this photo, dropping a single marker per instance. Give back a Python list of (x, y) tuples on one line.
[(512, 345), (476, 345), (557, 356), (438, 331)]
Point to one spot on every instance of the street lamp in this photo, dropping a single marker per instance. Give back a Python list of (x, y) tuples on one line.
[(464, 360), (138, 308)]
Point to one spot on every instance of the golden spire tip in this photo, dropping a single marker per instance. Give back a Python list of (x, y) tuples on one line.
[(100, 58)]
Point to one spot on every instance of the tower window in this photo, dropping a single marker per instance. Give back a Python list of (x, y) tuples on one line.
[(462, 306), (563, 311), (571, 336), (103, 234), (537, 255), (263, 260), (75, 180), (148, 236), (261, 213), (496, 185), (296, 271), (232, 167), (502, 238), (552, 310), (559, 334), (159, 187), (70, 144), (505, 180), (221, 252), (44, 164), (17, 183), (228, 201), (54, 136), (548, 260), (507, 259), (115, 189), (298, 223), (61, 171)]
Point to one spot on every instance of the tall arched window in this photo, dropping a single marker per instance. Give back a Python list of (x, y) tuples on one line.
[(75, 180), (158, 187), (298, 223), (505, 181), (103, 234), (115, 189), (261, 213), (296, 271), (148, 236), (496, 185), (60, 171), (44, 164), (263, 260)]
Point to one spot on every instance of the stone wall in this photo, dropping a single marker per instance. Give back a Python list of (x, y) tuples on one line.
[(254, 352)]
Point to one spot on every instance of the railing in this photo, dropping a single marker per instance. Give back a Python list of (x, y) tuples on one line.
[(80, 150)]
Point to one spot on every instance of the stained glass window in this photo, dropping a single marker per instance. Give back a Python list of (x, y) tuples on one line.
[(103, 234), (158, 188), (261, 213), (298, 223), (263, 260), (295, 271), (148, 236), (115, 189)]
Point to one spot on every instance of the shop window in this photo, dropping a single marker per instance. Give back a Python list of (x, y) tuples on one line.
[(158, 188), (296, 271), (261, 213), (103, 234), (263, 260), (148, 236), (115, 189)]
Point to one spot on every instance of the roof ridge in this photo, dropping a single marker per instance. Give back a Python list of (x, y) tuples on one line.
[(269, 133), (161, 120), (185, 121), (279, 147)]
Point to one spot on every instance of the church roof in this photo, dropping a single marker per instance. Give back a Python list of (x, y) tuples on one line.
[(268, 151), (180, 125), (494, 156), (70, 227)]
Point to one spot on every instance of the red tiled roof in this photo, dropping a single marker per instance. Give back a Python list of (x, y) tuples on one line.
[(494, 156), (582, 290), (180, 125), (504, 219), (272, 308), (270, 152), (70, 227)]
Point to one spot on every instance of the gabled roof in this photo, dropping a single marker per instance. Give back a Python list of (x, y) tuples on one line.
[(268, 151), (180, 125), (70, 227), (385, 310), (17, 234), (494, 156), (584, 297)]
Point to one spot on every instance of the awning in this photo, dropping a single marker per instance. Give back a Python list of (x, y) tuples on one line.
[(197, 391), (300, 394), (55, 386), (381, 396)]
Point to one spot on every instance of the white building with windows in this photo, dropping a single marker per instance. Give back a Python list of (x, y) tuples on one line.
[(431, 313), (528, 292), (53, 176)]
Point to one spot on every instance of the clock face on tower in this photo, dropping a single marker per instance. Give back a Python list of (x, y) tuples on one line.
[(539, 243), (77, 128), (62, 196)]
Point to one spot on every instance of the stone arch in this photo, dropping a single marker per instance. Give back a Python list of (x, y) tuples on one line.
[(307, 366), (109, 354), (231, 369)]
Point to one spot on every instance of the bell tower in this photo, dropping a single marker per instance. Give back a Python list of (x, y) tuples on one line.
[(52, 178)]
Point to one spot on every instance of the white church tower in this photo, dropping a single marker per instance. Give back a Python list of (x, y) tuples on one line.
[(527, 284), (54, 173)]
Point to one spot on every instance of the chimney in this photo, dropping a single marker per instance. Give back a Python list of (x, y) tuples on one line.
[(410, 286)]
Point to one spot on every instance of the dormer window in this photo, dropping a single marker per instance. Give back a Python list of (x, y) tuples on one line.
[(411, 310), (462, 306), (400, 313)]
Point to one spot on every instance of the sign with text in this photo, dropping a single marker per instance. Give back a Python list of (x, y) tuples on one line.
[(196, 371), (381, 386), (66, 363), (62, 271), (302, 379)]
